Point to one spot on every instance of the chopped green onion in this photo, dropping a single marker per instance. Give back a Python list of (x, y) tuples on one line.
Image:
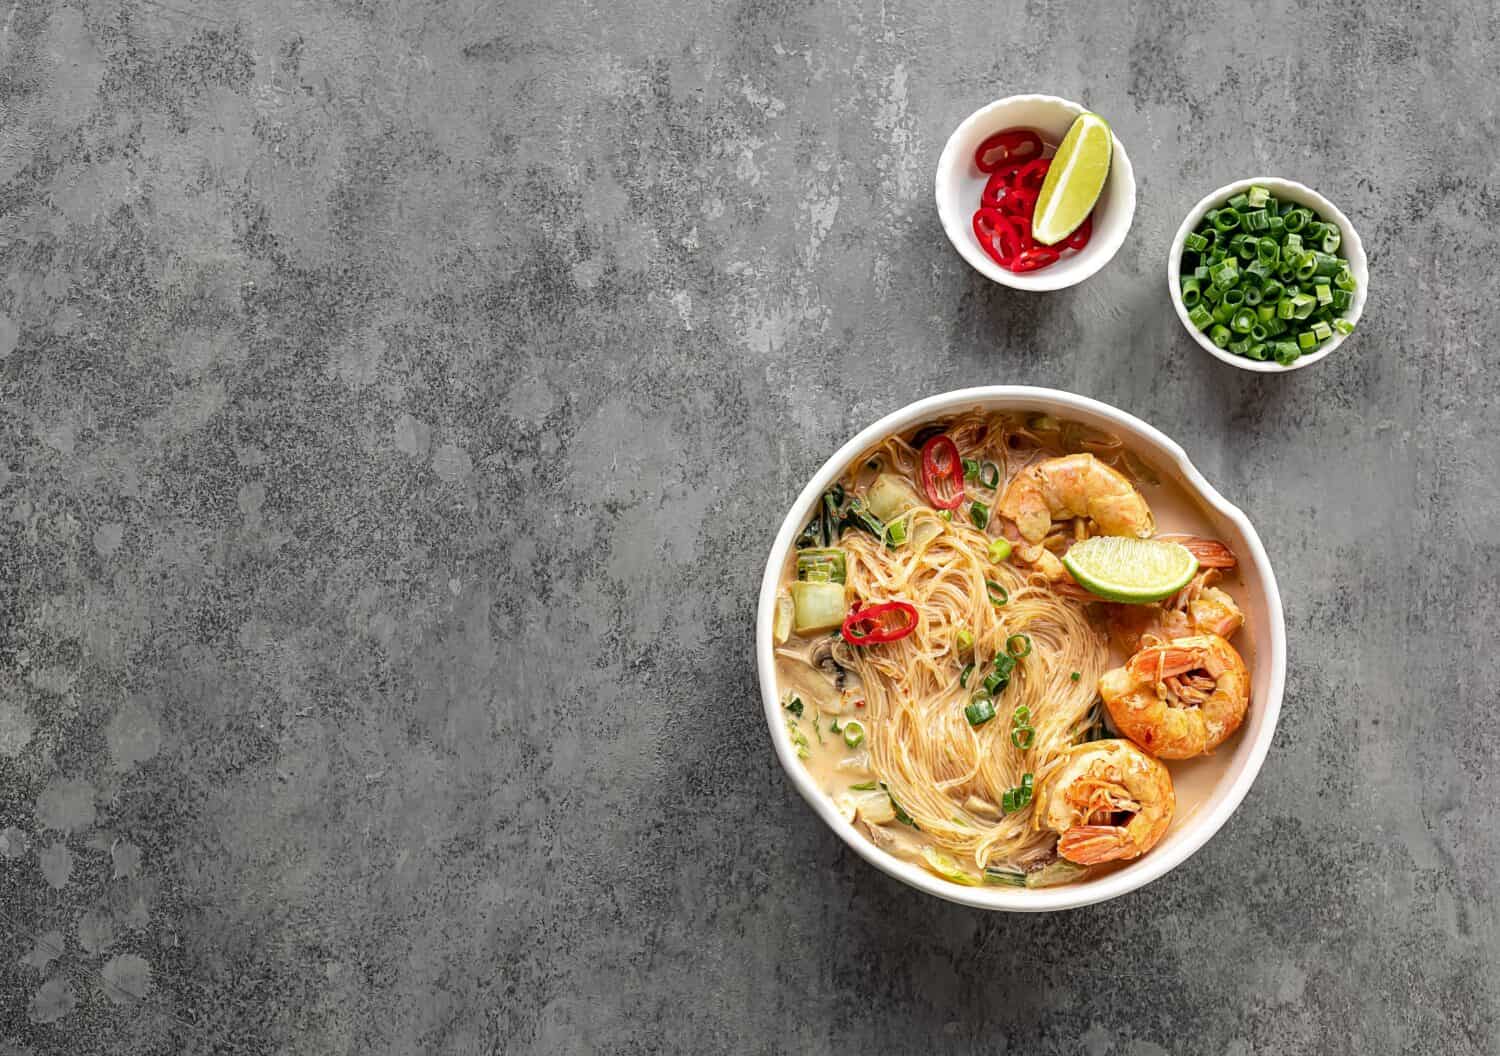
[(1343, 326), (998, 594), (980, 712), (963, 676), (964, 639), (1076, 675), (1021, 716), (854, 733), (1322, 331), (1023, 737), (1004, 877), (896, 533), (1018, 645), (1307, 340), (979, 513), (1257, 263), (971, 468), (865, 786), (1014, 799), (795, 706), (946, 515), (902, 816), (989, 475), (999, 550)]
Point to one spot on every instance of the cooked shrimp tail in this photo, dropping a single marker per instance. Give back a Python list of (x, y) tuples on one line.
[(1210, 552), (1095, 844)]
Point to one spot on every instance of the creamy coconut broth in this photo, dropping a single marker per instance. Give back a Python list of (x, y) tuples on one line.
[(935, 764)]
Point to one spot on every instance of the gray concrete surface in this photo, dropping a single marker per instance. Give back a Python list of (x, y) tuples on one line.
[(398, 402)]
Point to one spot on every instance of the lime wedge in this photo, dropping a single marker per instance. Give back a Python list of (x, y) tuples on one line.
[(1074, 181), (1135, 571)]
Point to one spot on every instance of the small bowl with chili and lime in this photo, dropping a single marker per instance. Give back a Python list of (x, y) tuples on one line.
[(1035, 192)]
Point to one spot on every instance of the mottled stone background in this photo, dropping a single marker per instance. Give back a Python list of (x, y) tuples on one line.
[(397, 402)]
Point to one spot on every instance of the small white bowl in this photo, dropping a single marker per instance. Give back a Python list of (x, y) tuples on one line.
[(1238, 761), (1290, 190), (959, 183)]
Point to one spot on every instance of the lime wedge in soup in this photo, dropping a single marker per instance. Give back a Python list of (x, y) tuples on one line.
[(1135, 571), (1074, 181)]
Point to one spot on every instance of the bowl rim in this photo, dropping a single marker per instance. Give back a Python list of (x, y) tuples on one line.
[(958, 227), (1354, 251), (1204, 823)]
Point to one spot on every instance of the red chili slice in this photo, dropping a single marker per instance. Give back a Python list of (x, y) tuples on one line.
[(941, 465), (1019, 201), (879, 632), (988, 225), (1032, 174), (996, 187), (1080, 236), (1034, 257), (1014, 144)]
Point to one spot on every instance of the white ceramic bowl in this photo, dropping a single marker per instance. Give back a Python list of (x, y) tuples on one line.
[(959, 183), (1238, 761), (1290, 190)]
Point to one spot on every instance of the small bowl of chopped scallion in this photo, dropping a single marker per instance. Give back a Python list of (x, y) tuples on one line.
[(1268, 275)]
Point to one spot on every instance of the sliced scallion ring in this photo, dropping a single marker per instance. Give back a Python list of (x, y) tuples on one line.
[(854, 733)]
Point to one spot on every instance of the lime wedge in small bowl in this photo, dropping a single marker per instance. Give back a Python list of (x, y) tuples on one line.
[(1074, 181), (1134, 571)]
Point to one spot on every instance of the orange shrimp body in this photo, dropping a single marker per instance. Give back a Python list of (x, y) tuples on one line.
[(1107, 801), (1075, 486), (1180, 699)]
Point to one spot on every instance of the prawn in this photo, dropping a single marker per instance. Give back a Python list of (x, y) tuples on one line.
[(1075, 486), (1107, 801), (1198, 608), (1180, 699)]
